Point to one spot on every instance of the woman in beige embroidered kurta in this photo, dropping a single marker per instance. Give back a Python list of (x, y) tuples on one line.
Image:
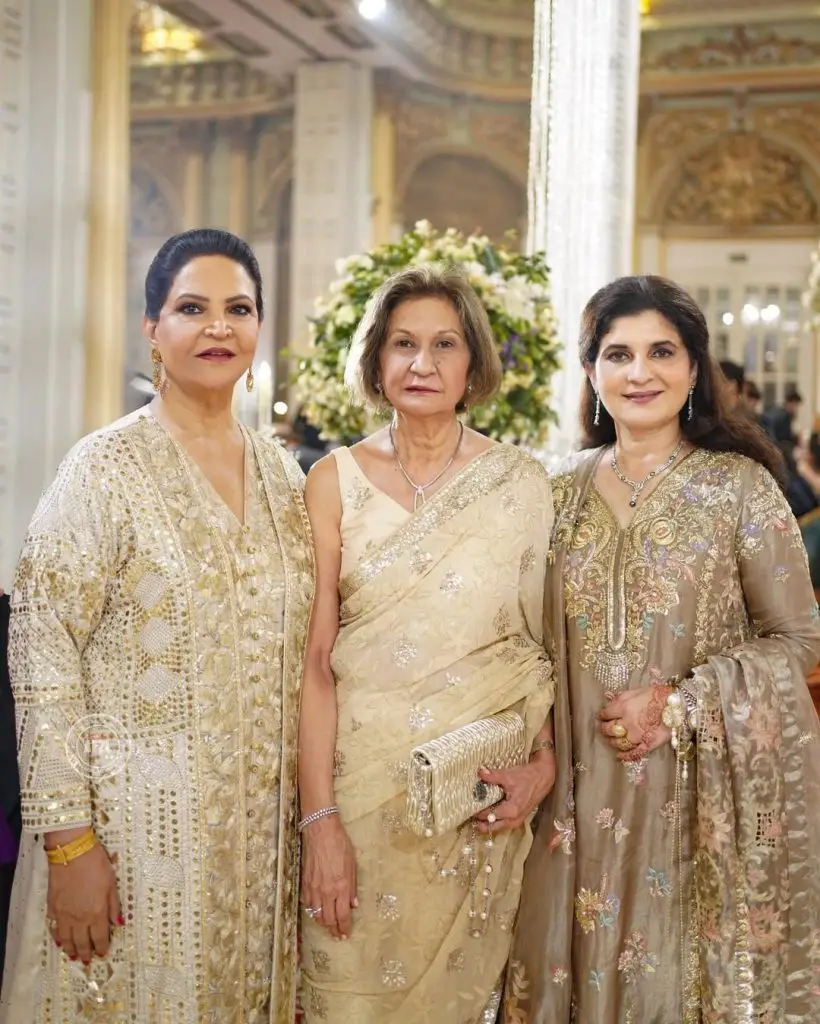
[(155, 653), (644, 903)]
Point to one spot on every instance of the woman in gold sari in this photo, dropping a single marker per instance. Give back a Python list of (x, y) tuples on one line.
[(431, 544), (673, 875), (158, 621)]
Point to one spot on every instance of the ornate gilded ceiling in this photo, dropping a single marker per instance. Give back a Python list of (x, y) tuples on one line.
[(472, 47)]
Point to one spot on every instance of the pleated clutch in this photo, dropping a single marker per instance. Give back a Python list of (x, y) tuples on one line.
[(443, 787)]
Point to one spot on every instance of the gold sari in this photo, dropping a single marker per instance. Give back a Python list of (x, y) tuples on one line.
[(644, 903), (441, 619)]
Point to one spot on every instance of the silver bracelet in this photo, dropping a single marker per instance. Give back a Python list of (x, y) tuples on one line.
[(324, 812)]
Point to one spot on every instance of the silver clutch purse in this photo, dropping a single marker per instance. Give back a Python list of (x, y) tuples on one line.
[(443, 787)]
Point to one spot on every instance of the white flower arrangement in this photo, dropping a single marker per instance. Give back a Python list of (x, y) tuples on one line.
[(515, 291)]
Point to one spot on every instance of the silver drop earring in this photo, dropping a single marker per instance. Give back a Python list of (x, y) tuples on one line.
[(690, 410), (597, 419)]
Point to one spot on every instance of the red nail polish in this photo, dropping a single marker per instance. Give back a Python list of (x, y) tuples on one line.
[(120, 920), (86, 963), (73, 957), (57, 943)]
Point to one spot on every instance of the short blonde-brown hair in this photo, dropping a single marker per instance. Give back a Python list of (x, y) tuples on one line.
[(433, 280)]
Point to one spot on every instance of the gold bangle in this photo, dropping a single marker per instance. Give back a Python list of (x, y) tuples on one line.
[(542, 745), (71, 851)]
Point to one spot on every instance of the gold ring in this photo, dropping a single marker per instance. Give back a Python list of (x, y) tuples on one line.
[(618, 729), (52, 923), (624, 743)]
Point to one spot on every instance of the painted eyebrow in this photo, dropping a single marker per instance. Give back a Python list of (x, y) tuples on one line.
[(204, 298), (411, 334), (624, 345)]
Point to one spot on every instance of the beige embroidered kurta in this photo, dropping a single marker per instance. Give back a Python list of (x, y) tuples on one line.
[(441, 619), (155, 654), (632, 914)]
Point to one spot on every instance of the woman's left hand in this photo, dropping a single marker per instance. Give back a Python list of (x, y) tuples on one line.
[(524, 789), (632, 721)]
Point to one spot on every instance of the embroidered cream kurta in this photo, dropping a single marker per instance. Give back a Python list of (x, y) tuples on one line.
[(155, 654)]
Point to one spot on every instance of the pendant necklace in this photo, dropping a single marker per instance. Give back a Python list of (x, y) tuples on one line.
[(636, 486), (419, 498)]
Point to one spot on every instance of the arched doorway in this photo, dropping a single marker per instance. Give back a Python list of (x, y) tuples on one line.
[(466, 192)]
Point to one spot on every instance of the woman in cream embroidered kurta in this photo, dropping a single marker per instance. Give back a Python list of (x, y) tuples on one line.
[(155, 653), (144, 612)]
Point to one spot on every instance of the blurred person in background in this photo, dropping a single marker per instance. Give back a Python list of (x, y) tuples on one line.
[(752, 399), (735, 378)]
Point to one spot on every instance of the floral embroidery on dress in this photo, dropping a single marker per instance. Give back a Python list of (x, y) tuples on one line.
[(420, 718), (393, 974), (596, 907), (452, 584), (659, 884), (596, 979), (518, 994), (321, 961), (502, 621), (387, 905), (404, 651), (358, 494), (636, 960), (559, 975), (528, 559), (564, 836), (606, 819)]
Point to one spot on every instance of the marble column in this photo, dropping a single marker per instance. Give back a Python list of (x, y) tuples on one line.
[(194, 138), (108, 213), (582, 165), (240, 139), (332, 197), (383, 175), (45, 155)]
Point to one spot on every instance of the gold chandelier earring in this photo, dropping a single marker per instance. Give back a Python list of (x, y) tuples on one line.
[(156, 375), (249, 379)]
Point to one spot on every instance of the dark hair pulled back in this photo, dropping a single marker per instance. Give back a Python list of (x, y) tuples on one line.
[(713, 425), (177, 253)]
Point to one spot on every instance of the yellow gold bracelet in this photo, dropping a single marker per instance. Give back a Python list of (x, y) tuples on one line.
[(71, 851)]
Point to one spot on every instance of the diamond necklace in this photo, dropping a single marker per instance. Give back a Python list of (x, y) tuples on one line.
[(418, 498), (636, 486)]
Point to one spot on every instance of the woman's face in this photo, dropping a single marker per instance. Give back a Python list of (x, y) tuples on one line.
[(425, 359), (208, 328), (643, 372)]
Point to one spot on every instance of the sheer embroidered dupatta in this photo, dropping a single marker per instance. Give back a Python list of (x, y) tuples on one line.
[(440, 625), (758, 786), (405, 648)]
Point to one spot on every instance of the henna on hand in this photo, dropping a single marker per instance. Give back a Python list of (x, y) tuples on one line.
[(650, 718)]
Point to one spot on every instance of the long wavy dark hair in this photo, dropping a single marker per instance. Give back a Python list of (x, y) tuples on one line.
[(713, 425)]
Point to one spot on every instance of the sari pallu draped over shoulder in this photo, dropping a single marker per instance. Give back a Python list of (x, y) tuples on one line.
[(751, 901), (440, 625)]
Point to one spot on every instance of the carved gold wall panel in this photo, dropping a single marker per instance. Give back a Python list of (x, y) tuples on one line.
[(735, 167)]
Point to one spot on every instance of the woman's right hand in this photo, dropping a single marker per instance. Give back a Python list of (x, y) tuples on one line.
[(329, 875), (83, 900)]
